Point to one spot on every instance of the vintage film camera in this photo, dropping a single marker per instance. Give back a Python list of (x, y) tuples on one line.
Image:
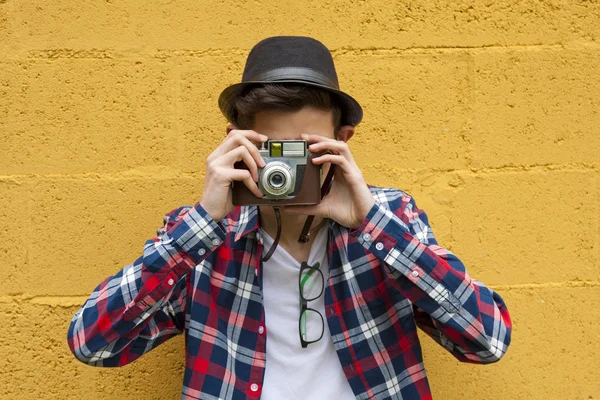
[(288, 178)]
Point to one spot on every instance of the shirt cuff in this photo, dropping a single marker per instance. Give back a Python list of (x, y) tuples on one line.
[(377, 234), (197, 233)]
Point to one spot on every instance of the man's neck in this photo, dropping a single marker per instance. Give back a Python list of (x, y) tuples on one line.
[(291, 226)]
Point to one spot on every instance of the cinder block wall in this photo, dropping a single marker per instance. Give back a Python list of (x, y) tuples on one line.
[(488, 114)]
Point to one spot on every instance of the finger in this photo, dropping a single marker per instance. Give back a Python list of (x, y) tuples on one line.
[(240, 154), (235, 139), (311, 138), (334, 159), (335, 146), (240, 140), (243, 175), (247, 133)]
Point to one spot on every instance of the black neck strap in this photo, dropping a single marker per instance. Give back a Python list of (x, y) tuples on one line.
[(276, 240), (305, 234)]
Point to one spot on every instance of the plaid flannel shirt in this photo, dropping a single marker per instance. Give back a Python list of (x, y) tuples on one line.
[(203, 278)]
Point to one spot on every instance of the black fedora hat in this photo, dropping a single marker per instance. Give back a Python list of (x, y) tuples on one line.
[(290, 59)]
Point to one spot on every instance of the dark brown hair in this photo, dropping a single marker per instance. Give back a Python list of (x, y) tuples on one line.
[(284, 97)]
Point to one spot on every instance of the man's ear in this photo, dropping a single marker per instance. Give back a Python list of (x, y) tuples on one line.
[(345, 133), (230, 127)]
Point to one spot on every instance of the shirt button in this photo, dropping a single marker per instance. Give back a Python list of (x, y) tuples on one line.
[(171, 281), (261, 329), (254, 387), (201, 252), (216, 241), (366, 237), (415, 273), (379, 246)]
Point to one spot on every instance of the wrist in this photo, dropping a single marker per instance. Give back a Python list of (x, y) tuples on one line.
[(366, 207), (214, 214)]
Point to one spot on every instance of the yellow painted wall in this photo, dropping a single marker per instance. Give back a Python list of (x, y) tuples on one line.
[(487, 112)]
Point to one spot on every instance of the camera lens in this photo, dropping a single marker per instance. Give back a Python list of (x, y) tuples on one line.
[(276, 180)]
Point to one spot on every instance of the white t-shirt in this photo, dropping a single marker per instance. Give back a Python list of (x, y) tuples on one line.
[(293, 372)]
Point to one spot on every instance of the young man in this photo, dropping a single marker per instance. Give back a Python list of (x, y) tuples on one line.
[(245, 320)]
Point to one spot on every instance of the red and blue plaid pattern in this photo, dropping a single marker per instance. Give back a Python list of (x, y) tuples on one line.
[(203, 278)]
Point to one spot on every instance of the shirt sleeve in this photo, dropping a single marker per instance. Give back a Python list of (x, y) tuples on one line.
[(467, 318), (143, 304)]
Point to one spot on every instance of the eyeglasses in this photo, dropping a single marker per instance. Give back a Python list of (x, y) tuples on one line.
[(311, 284)]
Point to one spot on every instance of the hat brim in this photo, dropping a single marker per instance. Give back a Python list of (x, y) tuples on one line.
[(352, 112)]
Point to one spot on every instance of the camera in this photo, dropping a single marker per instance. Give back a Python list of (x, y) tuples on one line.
[(288, 178)]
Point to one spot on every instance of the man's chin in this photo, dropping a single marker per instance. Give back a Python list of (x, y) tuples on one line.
[(284, 211), (270, 210)]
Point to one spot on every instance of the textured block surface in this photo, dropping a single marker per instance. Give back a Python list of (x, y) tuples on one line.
[(487, 113)]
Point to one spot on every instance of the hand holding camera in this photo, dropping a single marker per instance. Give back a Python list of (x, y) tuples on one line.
[(350, 199), (220, 171), (285, 173)]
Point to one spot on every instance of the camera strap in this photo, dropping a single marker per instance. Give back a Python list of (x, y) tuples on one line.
[(276, 240), (305, 234)]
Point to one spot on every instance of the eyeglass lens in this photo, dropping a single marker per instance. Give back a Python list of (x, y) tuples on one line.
[(311, 283)]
